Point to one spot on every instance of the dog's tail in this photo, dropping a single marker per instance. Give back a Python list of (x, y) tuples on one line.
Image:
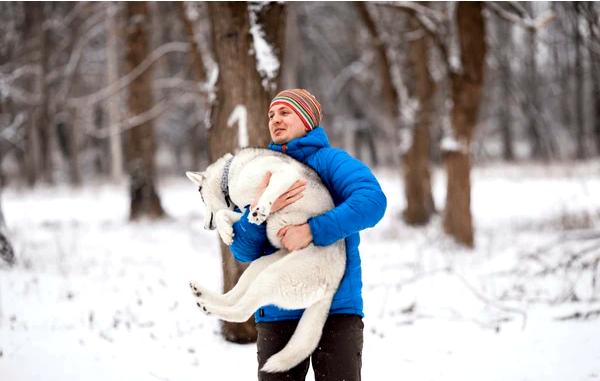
[(304, 340)]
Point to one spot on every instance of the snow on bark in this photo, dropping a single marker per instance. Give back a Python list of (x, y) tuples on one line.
[(239, 115), (267, 63), (449, 143)]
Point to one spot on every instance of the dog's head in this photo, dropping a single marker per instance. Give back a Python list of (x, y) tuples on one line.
[(209, 186)]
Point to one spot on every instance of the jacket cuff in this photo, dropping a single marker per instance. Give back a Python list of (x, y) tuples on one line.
[(250, 230), (314, 231)]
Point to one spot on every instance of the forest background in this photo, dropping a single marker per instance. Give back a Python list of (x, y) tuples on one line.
[(125, 97)]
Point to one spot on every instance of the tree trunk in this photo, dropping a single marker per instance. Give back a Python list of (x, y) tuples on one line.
[(112, 74), (594, 53), (505, 52), (74, 128), (417, 176), (240, 85), (32, 159), (389, 92), (197, 132), (466, 95), (44, 126), (596, 100), (562, 63), (580, 152), (533, 111), (6, 250), (141, 144)]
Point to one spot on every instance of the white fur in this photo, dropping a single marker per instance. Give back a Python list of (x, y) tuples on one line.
[(306, 278)]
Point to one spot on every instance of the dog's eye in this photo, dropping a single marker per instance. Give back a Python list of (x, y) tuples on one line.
[(200, 191)]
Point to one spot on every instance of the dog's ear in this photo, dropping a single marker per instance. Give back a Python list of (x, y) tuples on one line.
[(196, 177)]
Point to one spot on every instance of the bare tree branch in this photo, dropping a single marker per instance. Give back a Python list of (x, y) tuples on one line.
[(432, 21), (156, 111), (522, 19), (182, 47)]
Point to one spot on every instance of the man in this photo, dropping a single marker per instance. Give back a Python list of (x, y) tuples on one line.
[(294, 118)]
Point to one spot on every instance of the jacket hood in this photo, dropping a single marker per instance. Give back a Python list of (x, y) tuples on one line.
[(304, 146)]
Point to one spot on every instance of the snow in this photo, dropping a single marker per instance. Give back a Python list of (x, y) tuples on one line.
[(449, 143), (239, 115), (267, 63), (95, 297)]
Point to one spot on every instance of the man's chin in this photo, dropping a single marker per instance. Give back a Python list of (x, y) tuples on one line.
[(279, 140)]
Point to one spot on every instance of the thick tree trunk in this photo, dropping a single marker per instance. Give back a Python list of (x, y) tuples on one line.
[(466, 95), (417, 176), (141, 144), (240, 85)]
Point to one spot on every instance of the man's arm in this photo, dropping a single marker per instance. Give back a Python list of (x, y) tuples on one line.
[(249, 240), (364, 202)]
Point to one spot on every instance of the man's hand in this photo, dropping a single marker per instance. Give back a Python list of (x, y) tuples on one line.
[(295, 237), (293, 194)]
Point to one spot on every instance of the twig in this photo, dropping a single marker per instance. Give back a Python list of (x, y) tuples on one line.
[(522, 19), (580, 315), (491, 303)]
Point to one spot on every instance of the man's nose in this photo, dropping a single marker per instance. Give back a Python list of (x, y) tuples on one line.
[(276, 118)]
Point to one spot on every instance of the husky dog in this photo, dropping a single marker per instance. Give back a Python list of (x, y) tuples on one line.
[(306, 278)]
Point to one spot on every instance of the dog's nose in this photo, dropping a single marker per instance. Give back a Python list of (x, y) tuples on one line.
[(254, 214)]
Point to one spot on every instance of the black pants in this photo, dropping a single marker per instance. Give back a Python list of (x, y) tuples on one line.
[(337, 357)]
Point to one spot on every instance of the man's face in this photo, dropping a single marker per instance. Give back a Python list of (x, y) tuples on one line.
[(284, 124)]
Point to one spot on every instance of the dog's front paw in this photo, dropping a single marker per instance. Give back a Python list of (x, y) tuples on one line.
[(259, 214), (224, 226), (225, 231)]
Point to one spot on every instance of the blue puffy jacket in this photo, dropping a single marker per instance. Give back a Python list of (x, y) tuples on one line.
[(359, 204)]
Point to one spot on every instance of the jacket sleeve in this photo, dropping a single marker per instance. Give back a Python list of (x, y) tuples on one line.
[(363, 202), (249, 240)]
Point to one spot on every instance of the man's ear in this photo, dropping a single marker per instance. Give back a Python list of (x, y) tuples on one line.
[(196, 177)]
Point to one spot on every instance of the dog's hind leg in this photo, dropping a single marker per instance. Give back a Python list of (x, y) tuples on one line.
[(256, 296), (209, 298)]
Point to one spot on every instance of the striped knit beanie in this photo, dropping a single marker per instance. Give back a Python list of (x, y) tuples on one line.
[(303, 103)]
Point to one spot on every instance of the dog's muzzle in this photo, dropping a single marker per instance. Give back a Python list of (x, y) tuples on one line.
[(210, 225)]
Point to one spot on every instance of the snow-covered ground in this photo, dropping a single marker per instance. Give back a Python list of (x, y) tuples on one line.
[(97, 298)]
